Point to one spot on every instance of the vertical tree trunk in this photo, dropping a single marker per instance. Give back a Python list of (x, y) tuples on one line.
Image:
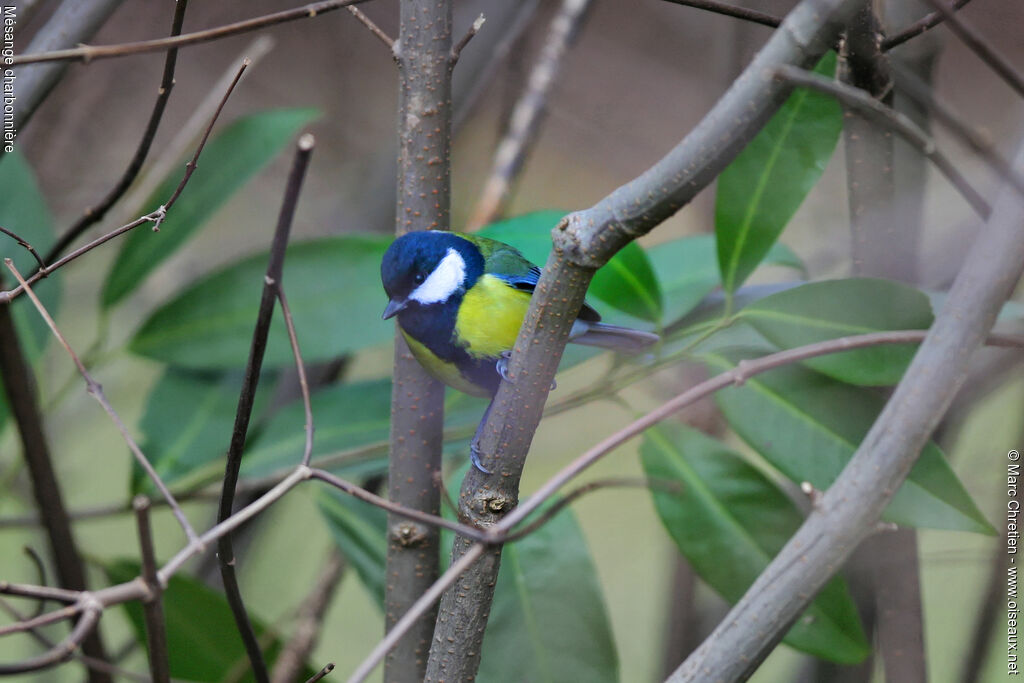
[(423, 52)]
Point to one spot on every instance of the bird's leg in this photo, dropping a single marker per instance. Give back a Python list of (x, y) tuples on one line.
[(501, 365), (474, 445)]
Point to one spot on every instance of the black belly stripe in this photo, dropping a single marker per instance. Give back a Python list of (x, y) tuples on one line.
[(434, 327)]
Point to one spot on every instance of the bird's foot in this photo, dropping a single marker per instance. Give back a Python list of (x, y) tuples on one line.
[(474, 457), (501, 365)]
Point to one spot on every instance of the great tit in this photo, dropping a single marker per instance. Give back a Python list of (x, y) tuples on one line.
[(460, 301)]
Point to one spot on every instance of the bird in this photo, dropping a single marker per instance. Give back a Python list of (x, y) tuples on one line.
[(460, 300)]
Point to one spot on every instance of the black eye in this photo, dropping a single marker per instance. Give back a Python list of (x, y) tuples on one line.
[(420, 277)]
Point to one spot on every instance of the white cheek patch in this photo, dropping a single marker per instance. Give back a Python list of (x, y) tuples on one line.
[(447, 277)]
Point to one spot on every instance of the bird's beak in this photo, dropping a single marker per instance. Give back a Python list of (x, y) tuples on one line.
[(393, 307)]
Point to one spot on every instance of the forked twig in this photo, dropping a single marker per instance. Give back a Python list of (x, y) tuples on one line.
[(94, 214), (24, 243), (155, 217), (94, 389)]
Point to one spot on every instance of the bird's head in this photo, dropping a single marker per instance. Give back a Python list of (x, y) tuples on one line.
[(426, 268)]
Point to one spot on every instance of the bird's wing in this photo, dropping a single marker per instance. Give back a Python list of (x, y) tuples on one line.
[(508, 264)]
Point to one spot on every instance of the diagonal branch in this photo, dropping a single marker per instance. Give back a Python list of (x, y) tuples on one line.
[(88, 53), (583, 242), (94, 214), (848, 511), (928, 21), (733, 11), (95, 389), (527, 114), (246, 399)]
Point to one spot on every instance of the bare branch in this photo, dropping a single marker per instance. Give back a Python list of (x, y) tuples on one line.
[(155, 217), (732, 11), (527, 114), (328, 668), (453, 57), (26, 245), (980, 46), (850, 508), (422, 202), (300, 369), (886, 116), (94, 389), (152, 608), (583, 242), (401, 627), (926, 22), (64, 650), (72, 23), (374, 29), (89, 53), (51, 593), (94, 214), (247, 397)]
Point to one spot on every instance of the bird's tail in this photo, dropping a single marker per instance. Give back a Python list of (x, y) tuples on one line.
[(614, 337)]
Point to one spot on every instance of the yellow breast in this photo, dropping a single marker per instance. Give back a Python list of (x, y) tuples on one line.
[(490, 316)]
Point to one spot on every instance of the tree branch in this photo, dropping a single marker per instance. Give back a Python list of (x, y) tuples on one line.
[(152, 608), (423, 53), (848, 511), (923, 24), (743, 13), (89, 53), (74, 22), (583, 242), (247, 396), (527, 114), (94, 214), (95, 389), (155, 217)]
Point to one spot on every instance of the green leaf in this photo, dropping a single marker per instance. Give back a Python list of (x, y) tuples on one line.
[(360, 530), (688, 271), (809, 425), (626, 283), (187, 424), (548, 621), (729, 521), (228, 161), (820, 311), (202, 639), (23, 211), (764, 186), (334, 290)]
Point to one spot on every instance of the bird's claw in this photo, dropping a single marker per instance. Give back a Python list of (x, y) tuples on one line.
[(474, 457), (501, 365)]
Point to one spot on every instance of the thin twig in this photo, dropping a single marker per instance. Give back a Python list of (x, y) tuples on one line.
[(41, 592), (526, 117), (94, 389), (89, 53), (23, 243), (94, 214), (926, 22), (464, 41), (246, 400), (155, 217), (328, 668), (418, 609), (152, 608), (62, 650), (400, 510), (896, 121), (91, 662), (192, 164), (732, 11), (374, 29), (980, 46), (41, 571), (300, 370), (913, 88)]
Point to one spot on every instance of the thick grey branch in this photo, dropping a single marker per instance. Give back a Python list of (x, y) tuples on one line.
[(848, 511), (583, 242)]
